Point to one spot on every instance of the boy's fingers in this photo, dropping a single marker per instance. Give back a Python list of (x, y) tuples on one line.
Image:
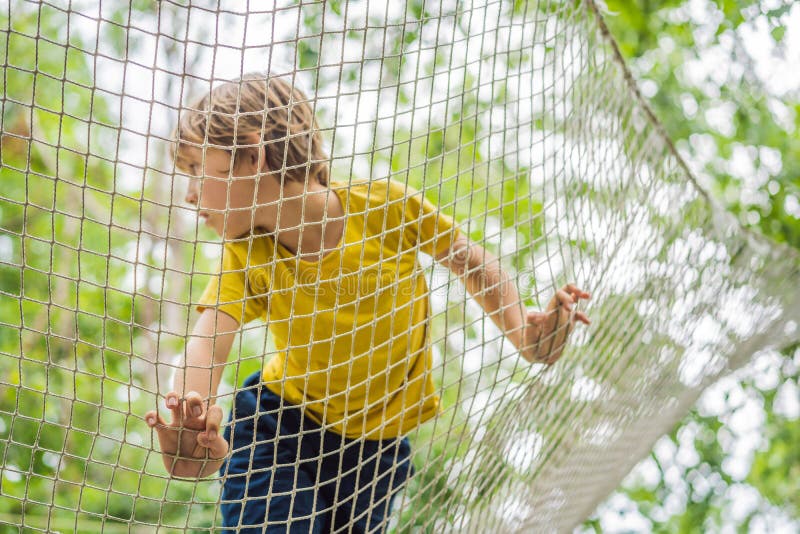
[(153, 418), (165, 438), (194, 404), (577, 292), (571, 288), (564, 318), (565, 299), (217, 448), (536, 318), (582, 317), (173, 403), (213, 420), (211, 439)]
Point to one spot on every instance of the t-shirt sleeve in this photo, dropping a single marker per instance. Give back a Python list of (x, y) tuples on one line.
[(229, 290), (425, 225)]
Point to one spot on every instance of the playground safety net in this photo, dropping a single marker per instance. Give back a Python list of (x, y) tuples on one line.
[(517, 119)]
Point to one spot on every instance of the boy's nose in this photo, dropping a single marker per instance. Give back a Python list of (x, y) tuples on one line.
[(192, 192)]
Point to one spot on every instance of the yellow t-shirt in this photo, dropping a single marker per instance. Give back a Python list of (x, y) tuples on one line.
[(350, 329)]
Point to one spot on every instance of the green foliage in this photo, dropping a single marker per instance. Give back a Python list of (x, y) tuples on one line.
[(75, 329), (658, 39), (776, 468), (71, 397)]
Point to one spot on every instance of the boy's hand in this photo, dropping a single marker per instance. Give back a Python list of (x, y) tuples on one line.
[(545, 333), (191, 445)]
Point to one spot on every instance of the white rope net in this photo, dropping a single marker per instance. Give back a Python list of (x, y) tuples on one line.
[(518, 119)]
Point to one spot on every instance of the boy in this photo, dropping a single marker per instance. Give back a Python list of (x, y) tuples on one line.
[(315, 441)]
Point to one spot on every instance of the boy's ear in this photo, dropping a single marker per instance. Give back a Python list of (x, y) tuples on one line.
[(252, 158), (260, 159), (254, 155)]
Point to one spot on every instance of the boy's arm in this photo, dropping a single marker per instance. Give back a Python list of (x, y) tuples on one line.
[(206, 353), (539, 336), (191, 445)]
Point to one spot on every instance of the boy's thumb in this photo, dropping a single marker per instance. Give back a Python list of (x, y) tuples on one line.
[(217, 448), (536, 317)]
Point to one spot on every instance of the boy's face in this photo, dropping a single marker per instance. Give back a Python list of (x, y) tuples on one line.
[(224, 202)]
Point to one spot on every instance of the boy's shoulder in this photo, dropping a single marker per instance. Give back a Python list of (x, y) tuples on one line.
[(256, 249), (378, 191)]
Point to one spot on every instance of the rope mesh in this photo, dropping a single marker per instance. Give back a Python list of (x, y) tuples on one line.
[(519, 119)]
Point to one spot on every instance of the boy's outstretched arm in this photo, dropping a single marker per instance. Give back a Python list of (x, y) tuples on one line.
[(191, 445), (539, 336)]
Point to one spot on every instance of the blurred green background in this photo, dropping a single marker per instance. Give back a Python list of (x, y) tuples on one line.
[(80, 307)]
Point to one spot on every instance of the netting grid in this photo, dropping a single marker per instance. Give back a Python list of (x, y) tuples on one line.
[(517, 120)]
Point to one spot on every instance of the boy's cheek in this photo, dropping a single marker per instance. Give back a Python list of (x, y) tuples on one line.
[(242, 194), (214, 196)]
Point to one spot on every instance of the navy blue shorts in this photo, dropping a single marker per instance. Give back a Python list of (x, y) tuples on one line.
[(277, 480)]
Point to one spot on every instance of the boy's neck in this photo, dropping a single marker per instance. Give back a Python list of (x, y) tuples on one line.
[(314, 208)]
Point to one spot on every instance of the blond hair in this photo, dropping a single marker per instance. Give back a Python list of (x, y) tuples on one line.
[(278, 113)]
